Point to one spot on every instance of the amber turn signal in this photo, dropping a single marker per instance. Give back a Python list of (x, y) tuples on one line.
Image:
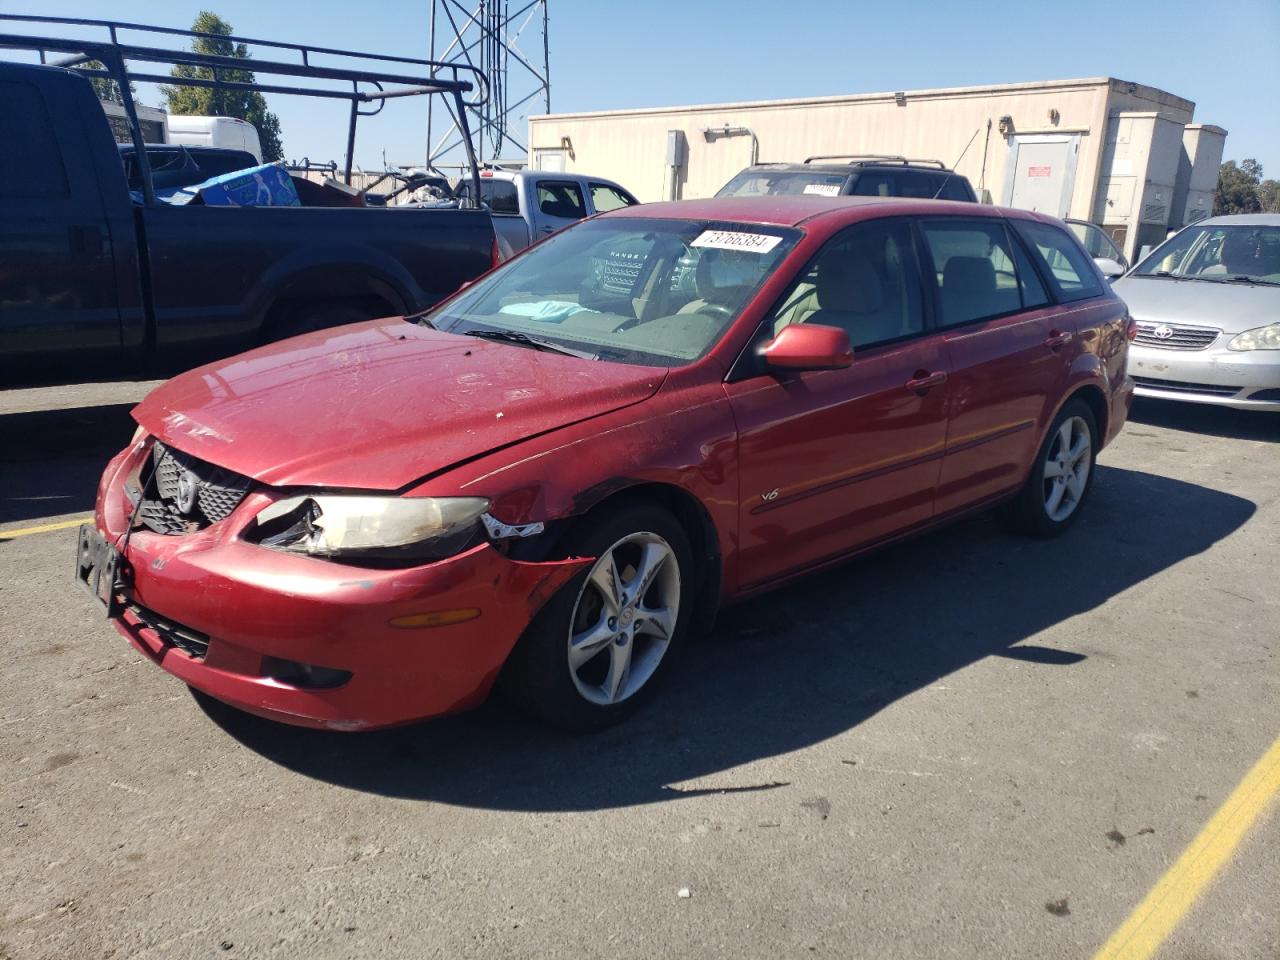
[(437, 618)]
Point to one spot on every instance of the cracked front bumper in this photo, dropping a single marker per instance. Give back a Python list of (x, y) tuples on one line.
[(258, 606)]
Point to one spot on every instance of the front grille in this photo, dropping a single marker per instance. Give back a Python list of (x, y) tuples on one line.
[(191, 642), (1181, 386), (1175, 336), (1271, 394), (185, 494)]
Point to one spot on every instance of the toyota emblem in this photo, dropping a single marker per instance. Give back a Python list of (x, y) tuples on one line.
[(1162, 332)]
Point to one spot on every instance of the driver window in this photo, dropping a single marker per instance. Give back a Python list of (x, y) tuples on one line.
[(865, 282)]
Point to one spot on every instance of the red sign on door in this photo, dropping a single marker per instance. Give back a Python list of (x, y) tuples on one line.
[(1039, 171)]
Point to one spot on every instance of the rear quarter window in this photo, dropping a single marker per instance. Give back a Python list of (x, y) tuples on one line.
[(1066, 265)]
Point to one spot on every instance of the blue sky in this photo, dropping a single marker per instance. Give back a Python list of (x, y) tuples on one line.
[(1225, 58)]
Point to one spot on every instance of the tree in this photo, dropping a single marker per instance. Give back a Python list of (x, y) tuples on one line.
[(1237, 190), (106, 88), (219, 102), (1269, 196)]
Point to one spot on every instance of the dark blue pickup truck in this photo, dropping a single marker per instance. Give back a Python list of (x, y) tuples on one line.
[(96, 286)]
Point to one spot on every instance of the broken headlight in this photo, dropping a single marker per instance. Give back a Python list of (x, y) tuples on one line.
[(404, 530)]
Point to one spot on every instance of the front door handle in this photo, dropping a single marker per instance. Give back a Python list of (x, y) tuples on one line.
[(923, 381), (1057, 340)]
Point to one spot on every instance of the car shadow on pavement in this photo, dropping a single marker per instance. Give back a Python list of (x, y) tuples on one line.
[(51, 460), (1207, 419), (791, 668)]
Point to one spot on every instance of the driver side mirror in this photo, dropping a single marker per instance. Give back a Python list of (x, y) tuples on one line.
[(808, 346)]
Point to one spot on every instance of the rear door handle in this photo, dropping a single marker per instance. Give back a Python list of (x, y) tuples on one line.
[(923, 381), (1057, 340)]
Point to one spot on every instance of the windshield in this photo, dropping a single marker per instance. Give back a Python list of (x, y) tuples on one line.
[(766, 183), (653, 292), (1218, 253)]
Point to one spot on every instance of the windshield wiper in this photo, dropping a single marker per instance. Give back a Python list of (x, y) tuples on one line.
[(1245, 278), (1161, 275), (524, 340)]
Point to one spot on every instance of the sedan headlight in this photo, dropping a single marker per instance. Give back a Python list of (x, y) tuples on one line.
[(1259, 338), (397, 529)]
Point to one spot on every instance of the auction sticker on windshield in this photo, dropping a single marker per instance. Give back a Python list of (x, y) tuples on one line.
[(823, 189), (734, 240)]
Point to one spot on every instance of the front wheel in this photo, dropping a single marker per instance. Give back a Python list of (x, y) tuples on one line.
[(600, 646), (1061, 476)]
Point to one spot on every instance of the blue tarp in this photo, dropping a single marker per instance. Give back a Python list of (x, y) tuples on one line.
[(266, 186)]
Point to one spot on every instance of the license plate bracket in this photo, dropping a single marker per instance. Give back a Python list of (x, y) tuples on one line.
[(99, 568)]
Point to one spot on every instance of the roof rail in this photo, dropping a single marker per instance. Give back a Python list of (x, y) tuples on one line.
[(372, 70), (856, 158)]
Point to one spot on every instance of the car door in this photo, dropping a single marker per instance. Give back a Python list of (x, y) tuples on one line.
[(1007, 350), (831, 461), (559, 204), (58, 309)]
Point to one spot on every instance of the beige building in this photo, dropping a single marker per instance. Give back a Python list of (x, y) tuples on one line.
[(1120, 154)]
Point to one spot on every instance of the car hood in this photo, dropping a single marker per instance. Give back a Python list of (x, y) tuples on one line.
[(1232, 307), (379, 405)]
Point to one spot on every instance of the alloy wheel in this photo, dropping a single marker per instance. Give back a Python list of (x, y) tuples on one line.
[(1066, 468), (624, 618)]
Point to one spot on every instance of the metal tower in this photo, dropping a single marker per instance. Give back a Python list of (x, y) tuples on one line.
[(487, 35)]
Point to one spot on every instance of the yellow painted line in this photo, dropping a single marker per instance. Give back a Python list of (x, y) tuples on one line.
[(43, 528), (1164, 907)]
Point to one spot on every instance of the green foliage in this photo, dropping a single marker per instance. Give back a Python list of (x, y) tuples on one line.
[(212, 102), (1241, 189), (107, 89), (1269, 196)]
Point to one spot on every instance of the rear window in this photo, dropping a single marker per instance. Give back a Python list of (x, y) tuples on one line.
[(1067, 266), (784, 183), (30, 160), (499, 196)]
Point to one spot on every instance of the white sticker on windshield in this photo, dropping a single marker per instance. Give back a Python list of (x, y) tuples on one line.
[(823, 189), (733, 240)]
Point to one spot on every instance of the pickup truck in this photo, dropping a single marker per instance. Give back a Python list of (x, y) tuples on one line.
[(95, 286), (528, 205)]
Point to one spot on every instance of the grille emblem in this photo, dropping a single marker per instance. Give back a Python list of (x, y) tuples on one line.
[(188, 490), (1164, 331)]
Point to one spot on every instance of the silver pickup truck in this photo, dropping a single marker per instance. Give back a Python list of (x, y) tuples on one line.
[(529, 204)]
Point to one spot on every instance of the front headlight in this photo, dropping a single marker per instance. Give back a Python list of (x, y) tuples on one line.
[(1259, 338), (397, 529)]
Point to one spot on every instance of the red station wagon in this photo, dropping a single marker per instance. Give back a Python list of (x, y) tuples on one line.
[(553, 478)]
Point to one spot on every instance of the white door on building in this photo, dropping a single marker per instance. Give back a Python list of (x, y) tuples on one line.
[(550, 160), (1041, 172)]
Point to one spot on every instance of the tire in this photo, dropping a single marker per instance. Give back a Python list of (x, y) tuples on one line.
[(312, 315), (1059, 482), (622, 651)]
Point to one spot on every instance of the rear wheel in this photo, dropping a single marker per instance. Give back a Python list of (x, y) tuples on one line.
[(1061, 476), (600, 646)]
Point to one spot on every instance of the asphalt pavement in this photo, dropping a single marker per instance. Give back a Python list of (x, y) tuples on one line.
[(968, 745)]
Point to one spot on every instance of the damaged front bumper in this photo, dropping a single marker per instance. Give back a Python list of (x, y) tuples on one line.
[(310, 641)]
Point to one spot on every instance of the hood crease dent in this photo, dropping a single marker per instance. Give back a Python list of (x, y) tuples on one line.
[(379, 405)]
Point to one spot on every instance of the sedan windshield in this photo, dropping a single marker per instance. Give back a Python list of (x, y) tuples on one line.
[(771, 183), (653, 292), (1221, 253)]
